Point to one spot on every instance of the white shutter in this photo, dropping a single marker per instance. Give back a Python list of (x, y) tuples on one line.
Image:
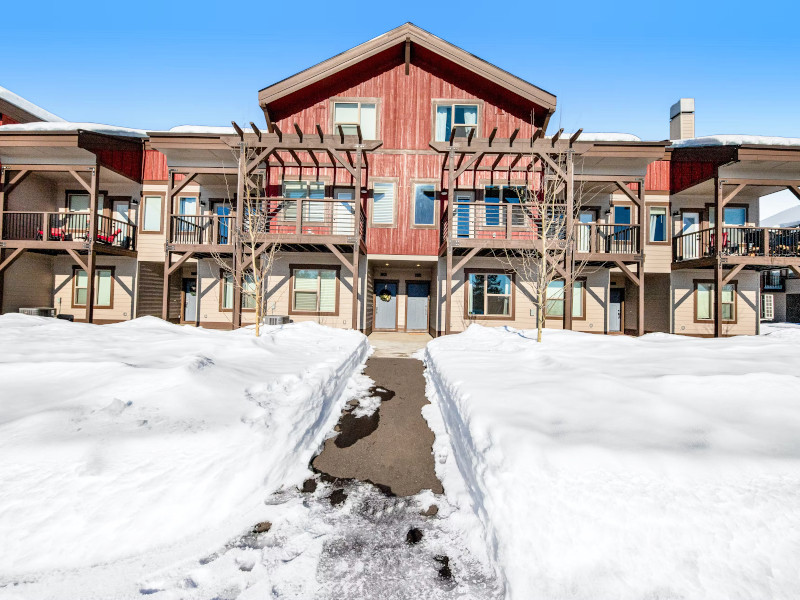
[(383, 203), (327, 291), (768, 307)]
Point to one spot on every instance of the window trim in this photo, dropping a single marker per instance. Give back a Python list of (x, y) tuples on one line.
[(413, 183), (143, 205), (361, 100), (468, 287), (436, 102), (667, 223), (734, 283), (76, 268), (222, 277), (515, 183), (292, 268), (583, 302), (396, 182), (101, 195), (706, 216), (327, 193)]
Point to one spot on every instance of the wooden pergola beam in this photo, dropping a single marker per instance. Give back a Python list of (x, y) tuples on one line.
[(465, 260), (238, 130), (10, 259), (575, 136), (733, 194), (299, 132), (627, 272), (514, 135), (176, 189), (492, 136), (348, 265), (795, 189), (732, 273), (76, 257), (626, 190), (81, 180), (557, 136), (497, 161), (256, 129), (171, 269)]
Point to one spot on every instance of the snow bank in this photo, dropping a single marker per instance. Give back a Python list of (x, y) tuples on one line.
[(128, 447), (613, 467), (604, 137), (735, 140), (28, 106), (68, 127)]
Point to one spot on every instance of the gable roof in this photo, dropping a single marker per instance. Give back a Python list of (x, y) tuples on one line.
[(397, 38), (21, 110)]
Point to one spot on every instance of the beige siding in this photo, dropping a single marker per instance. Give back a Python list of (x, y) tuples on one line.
[(28, 282), (124, 283), (36, 193), (684, 311), (525, 300), (150, 246), (279, 292)]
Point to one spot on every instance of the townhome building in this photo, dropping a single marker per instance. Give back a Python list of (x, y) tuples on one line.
[(394, 182)]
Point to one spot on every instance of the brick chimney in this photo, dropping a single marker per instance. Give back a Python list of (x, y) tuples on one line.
[(681, 119)]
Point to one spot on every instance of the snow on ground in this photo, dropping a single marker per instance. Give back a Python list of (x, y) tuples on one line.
[(139, 446), (615, 467)]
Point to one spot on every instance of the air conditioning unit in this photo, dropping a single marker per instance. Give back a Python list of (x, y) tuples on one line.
[(40, 311), (276, 320)]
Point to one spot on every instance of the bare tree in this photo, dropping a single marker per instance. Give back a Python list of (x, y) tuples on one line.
[(251, 276), (546, 210)]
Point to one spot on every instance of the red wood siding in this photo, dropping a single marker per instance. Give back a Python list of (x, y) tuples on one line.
[(657, 178), (684, 175), (405, 124), (155, 166), (6, 120)]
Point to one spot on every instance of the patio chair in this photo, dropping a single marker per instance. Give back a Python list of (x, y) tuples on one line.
[(108, 239)]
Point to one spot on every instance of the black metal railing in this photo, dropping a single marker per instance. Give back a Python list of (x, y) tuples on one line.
[(202, 229), (113, 232), (602, 238), (737, 241)]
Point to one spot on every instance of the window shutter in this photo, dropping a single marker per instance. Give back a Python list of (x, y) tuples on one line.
[(327, 291), (383, 203)]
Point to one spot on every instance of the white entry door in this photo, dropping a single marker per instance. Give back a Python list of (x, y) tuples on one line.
[(344, 212), (691, 243)]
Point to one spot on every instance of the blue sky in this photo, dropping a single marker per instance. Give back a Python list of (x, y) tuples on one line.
[(615, 66)]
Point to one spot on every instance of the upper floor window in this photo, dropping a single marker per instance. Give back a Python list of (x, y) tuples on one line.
[(151, 220), (351, 114), (312, 211), (79, 202), (383, 203), (509, 194), (462, 117), (658, 224), (735, 216), (424, 204)]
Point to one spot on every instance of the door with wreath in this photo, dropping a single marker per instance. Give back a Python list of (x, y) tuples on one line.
[(385, 305)]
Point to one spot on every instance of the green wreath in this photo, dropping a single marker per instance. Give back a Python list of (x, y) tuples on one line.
[(385, 295)]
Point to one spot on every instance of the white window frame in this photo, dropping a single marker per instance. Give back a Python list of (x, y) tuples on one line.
[(360, 103), (486, 295), (294, 290), (451, 104), (768, 307)]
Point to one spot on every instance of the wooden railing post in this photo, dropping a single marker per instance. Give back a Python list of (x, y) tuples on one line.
[(509, 214), (299, 217), (593, 237), (766, 242)]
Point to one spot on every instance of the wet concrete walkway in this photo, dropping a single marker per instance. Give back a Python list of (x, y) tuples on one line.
[(391, 448)]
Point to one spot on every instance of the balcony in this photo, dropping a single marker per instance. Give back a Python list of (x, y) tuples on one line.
[(191, 230), (749, 245), (51, 230), (514, 225)]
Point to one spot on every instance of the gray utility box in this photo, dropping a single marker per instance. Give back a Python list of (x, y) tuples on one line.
[(39, 311), (276, 320)]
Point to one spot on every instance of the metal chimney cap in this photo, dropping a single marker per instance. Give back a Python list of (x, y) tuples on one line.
[(684, 105)]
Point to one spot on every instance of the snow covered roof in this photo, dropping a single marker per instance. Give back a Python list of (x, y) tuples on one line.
[(786, 218), (605, 137), (67, 127), (37, 112), (207, 129), (735, 140)]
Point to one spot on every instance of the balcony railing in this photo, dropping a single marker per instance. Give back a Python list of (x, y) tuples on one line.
[(199, 230), (737, 241), (490, 221), (602, 238), (67, 227), (287, 217)]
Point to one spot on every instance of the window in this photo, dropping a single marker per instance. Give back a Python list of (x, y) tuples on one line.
[(103, 283), (509, 194), (704, 301), (733, 216), (767, 307), (489, 295), (152, 214), (248, 291), (555, 299), (658, 224), (79, 202), (314, 291), (424, 204), (351, 114), (383, 203), (312, 211), (187, 205), (464, 117)]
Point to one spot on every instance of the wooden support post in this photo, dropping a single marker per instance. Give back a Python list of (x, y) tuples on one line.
[(3, 183), (569, 265), (357, 243), (718, 256), (640, 307), (238, 254), (448, 290), (94, 193), (168, 237)]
